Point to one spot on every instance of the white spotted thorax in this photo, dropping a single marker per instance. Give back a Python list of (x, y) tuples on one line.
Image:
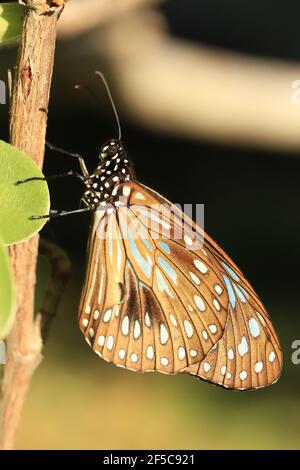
[(114, 168)]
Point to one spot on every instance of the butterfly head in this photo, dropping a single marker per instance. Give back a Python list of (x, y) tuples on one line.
[(111, 149), (114, 168)]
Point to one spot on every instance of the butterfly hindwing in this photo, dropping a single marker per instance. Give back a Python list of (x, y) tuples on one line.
[(246, 357)]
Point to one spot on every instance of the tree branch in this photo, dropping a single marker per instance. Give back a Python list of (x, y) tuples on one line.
[(28, 122)]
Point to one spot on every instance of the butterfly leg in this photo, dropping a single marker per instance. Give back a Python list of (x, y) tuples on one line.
[(54, 213), (75, 155), (52, 177)]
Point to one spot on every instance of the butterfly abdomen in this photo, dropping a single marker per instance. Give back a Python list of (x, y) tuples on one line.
[(114, 168)]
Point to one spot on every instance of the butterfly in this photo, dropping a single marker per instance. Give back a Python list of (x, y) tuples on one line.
[(159, 294), (152, 302)]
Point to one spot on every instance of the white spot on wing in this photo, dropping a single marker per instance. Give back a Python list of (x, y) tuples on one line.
[(101, 340), (85, 322), (243, 375), (272, 356), (181, 353), (188, 328), (122, 354), (188, 240), (216, 304), (243, 347), (204, 334), (91, 332), (125, 325), (110, 343), (150, 352), (137, 330), (213, 329), (147, 319), (134, 357), (206, 367), (258, 367), (230, 354), (164, 335), (199, 303), (254, 327), (164, 361), (96, 314), (195, 278), (218, 289), (107, 316), (200, 266)]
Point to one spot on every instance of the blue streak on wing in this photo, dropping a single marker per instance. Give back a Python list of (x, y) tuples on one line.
[(145, 265), (162, 285), (230, 290), (144, 240), (165, 247), (146, 243), (230, 272), (170, 271), (239, 293)]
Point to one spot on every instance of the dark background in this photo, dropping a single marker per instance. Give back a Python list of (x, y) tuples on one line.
[(251, 202)]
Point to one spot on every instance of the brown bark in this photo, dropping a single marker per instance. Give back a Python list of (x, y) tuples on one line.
[(28, 122)]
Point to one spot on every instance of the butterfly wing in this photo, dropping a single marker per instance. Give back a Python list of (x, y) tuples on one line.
[(151, 302), (143, 306)]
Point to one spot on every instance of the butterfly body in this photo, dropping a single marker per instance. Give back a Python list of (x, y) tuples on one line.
[(160, 295), (114, 168)]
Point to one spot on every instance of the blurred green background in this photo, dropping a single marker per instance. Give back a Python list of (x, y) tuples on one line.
[(249, 183)]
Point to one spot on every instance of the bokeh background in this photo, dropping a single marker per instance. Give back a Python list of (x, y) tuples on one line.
[(204, 92)]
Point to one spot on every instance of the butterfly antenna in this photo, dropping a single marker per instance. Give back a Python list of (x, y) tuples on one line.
[(100, 74)]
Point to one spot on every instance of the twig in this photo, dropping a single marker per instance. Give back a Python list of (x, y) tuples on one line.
[(60, 274), (27, 132)]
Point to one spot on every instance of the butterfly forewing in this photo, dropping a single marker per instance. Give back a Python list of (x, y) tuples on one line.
[(161, 295)]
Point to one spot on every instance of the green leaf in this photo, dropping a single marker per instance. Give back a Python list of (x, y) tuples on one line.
[(19, 202), (7, 293), (11, 20)]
